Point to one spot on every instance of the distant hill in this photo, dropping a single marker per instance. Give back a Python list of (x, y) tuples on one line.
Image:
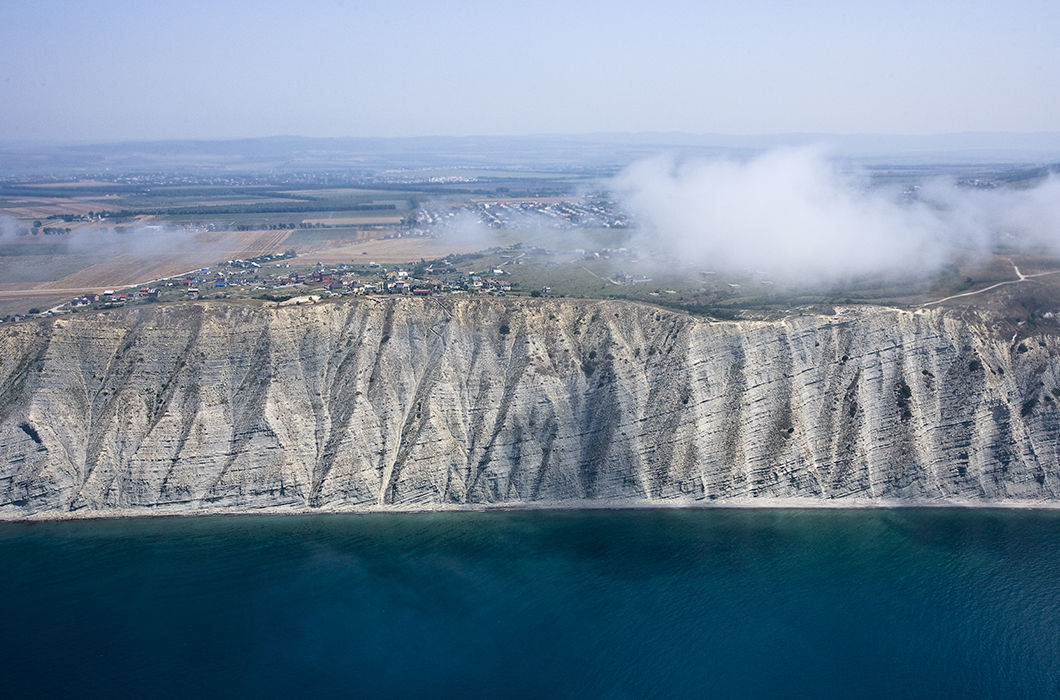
[(603, 151)]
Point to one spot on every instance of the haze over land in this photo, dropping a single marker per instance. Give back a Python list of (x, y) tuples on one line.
[(738, 137)]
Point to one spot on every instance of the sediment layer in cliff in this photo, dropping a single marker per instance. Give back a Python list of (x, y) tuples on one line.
[(206, 407)]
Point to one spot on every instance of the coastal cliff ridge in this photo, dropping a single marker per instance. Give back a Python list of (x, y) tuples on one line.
[(370, 404)]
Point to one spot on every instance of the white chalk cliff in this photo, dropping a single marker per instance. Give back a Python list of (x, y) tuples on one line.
[(205, 407)]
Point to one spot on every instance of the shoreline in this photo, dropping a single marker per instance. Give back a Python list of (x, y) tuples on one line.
[(552, 506)]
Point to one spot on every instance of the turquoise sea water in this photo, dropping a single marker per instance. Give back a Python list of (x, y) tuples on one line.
[(722, 603)]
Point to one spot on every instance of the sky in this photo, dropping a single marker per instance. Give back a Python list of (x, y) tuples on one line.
[(118, 71)]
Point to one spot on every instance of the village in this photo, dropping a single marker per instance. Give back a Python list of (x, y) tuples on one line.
[(563, 246), (346, 279), (518, 269), (509, 213), (273, 278)]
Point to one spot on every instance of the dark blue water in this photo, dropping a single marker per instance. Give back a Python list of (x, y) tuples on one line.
[(928, 603)]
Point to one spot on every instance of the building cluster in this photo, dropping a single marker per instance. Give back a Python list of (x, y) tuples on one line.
[(420, 280), (110, 298), (418, 177), (556, 214), (512, 213), (344, 279), (241, 273), (219, 278), (402, 281)]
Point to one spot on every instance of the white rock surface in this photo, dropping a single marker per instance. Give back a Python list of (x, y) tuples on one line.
[(203, 407)]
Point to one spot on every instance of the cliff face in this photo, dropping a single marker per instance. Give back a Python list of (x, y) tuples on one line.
[(203, 407)]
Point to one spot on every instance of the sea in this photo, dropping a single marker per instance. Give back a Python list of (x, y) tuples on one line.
[(728, 603)]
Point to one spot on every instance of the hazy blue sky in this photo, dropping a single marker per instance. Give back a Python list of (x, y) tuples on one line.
[(139, 70)]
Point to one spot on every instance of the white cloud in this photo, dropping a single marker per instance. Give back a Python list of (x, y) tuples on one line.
[(796, 215)]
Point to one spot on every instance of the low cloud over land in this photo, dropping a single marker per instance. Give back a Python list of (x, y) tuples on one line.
[(794, 214)]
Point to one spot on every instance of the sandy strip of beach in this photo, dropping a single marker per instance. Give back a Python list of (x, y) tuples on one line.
[(184, 510)]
